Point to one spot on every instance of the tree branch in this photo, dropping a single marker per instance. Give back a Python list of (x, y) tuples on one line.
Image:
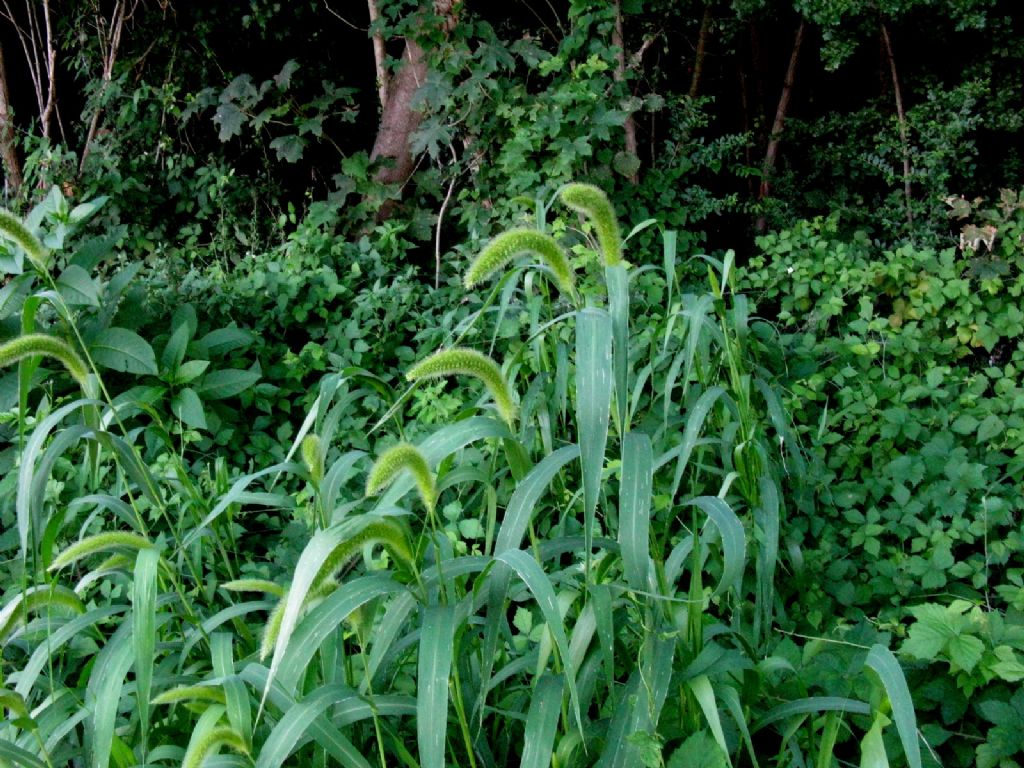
[(902, 117)]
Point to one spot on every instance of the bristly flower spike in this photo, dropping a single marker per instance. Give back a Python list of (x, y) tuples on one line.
[(13, 229), (469, 362), (594, 204), (32, 344), (508, 245), (392, 462)]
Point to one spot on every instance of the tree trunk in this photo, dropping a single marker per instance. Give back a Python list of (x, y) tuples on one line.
[(398, 120), (780, 120), (628, 127), (902, 117), (701, 52), (8, 149)]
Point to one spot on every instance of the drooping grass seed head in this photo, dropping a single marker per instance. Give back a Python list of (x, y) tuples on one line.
[(395, 460), (12, 228), (460, 361), (508, 245), (33, 344), (594, 204)]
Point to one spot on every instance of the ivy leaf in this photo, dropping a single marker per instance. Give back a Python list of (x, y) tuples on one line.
[(229, 118), (289, 148)]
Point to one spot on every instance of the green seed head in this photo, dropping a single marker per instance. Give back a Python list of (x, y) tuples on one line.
[(594, 204), (12, 228), (508, 245), (403, 457), (32, 344), (469, 362)]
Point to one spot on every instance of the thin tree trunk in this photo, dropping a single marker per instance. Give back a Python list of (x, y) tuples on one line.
[(379, 56), (629, 126), (110, 43), (902, 117), (51, 72), (8, 149), (398, 120), (775, 140), (701, 52)]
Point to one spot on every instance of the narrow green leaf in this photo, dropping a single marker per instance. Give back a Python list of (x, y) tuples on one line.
[(537, 582), (635, 508), (434, 666), (811, 705), (528, 491), (103, 694), (617, 279), (18, 756), (327, 551), (872, 747), (884, 664), (144, 588), (734, 539), (593, 401), (297, 719), (542, 722), (705, 695), (236, 697)]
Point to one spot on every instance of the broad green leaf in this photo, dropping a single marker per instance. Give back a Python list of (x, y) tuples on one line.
[(635, 508), (77, 288), (989, 428), (872, 747), (593, 401), (122, 350), (187, 406), (542, 722), (228, 382), (433, 668)]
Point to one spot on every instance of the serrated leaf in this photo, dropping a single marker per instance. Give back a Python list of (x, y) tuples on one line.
[(283, 79), (965, 651), (289, 148), (229, 119), (989, 428)]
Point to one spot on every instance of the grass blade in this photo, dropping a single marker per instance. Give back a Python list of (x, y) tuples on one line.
[(320, 622), (537, 582), (144, 634), (593, 401), (635, 508), (734, 539), (325, 552), (103, 694), (17, 756), (520, 507), (617, 279), (236, 697), (323, 731), (885, 665), (705, 695), (297, 719), (434, 666), (542, 722)]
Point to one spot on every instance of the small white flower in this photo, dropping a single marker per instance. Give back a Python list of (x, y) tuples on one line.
[(790, 270)]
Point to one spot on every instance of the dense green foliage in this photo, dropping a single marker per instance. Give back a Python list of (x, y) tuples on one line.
[(668, 413)]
